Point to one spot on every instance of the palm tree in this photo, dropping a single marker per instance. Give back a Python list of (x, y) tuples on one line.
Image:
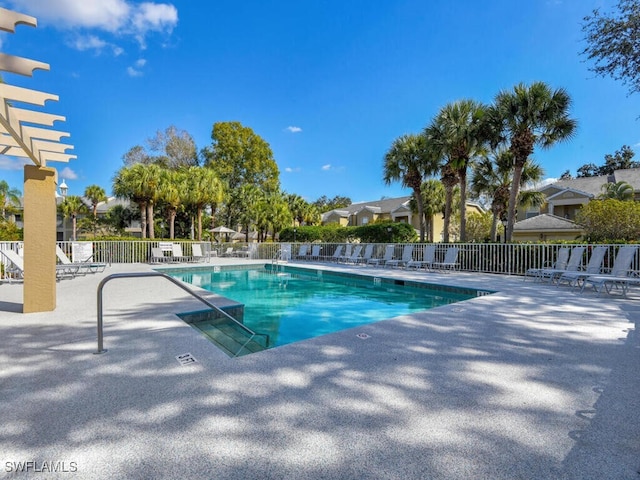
[(618, 191), (527, 117), (172, 193), (9, 197), (204, 188), (458, 133), (95, 194), (71, 206), (433, 204), (140, 183), (493, 176), (407, 161)]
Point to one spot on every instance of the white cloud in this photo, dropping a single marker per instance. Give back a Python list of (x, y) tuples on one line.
[(132, 72), (120, 17), (326, 167), (292, 170), (68, 174), (141, 62), (294, 129), (13, 163)]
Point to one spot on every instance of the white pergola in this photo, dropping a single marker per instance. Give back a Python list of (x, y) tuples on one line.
[(25, 133)]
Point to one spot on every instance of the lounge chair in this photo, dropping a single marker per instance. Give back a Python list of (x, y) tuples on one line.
[(302, 252), (315, 252), (228, 252), (16, 267), (158, 256), (619, 277), (337, 253), (428, 257), (573, 265), (450, 261), (347, 254), (196, 253), (407, 256), (594, 267), (389, 250), (177, 255), (560, 264), (355, 255), (83, 267), (368, 253)]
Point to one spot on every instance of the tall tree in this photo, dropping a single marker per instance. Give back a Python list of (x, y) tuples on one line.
[(432, 203), (613, 43), (238, 157), (618, 191), (172, 193), (526, 117), (9, 197), (459, 133), (493, 176), (72, 206), (204, 188), (95, 194), (407, 161)]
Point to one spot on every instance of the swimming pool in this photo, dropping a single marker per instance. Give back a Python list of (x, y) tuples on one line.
[(288, 304)]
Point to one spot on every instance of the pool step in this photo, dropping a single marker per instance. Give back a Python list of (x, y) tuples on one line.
[(228, 337)]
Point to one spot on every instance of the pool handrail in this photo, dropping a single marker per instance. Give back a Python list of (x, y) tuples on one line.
[(174, 281)]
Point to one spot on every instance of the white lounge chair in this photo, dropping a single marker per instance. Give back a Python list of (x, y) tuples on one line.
[(315, 252), (177, 255), (428, 257), (573, 265), (619, 277), (407, 256), (594, 267), (337, 253), (158, 256), (368, 253), (355, 255), (450, 261), (16, 267), (347, 254), (83, 267), (196, 253), (560, 264), (302, 252), (389, 250)]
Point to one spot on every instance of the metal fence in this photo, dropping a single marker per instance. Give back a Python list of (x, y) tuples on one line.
[(510, 259)]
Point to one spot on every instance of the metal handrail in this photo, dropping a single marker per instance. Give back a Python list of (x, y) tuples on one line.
[(174, 281)]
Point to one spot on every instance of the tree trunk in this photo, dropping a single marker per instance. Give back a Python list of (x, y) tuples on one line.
[(462, 175), (417, 193), (515, 189), (448, 200), (199, 223), (143, 219), (172, 222), (150, 221)]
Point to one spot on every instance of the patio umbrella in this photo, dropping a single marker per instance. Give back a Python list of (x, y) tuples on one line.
[(222, 229)]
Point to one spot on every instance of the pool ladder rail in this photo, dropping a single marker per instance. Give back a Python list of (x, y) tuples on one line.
[(251, 334)]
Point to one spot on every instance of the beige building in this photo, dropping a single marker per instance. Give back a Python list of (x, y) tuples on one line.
[(388, 209)]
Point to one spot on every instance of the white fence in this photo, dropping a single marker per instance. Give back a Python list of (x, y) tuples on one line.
[(511, 259)]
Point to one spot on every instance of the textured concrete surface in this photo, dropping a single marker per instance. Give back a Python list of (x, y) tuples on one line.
[(533, 382)]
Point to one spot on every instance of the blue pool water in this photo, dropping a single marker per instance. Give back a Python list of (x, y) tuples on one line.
[(294, 305)]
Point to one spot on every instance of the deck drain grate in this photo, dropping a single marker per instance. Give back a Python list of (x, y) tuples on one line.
[(186, 359), (363, 336)]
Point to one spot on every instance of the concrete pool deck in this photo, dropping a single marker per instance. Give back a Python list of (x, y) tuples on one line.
[(532, 382)]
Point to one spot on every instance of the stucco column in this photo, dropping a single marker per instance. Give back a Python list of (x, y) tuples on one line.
[(39, 239)]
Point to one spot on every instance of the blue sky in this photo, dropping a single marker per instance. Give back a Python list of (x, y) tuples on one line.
[(328, 84)]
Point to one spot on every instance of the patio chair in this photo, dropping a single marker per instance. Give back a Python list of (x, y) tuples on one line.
[(177, 255), (302, 252), (355, 255), (368, 253), (15, 269), (315, 252), (594, 267), (450, 261), (573, 265), (83, 267), (389, 250), (196, 253), (619, 277), (158, 256), (407, 256), (337, 253), (347, 254), (428, 257), (560, 264), (228, 252)]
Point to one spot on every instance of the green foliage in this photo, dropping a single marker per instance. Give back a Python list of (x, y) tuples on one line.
[(9, 231), (325, 204), (612, 42), (621, 160), (373, 233), (610, 220), (479, 227), (618, 190)]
